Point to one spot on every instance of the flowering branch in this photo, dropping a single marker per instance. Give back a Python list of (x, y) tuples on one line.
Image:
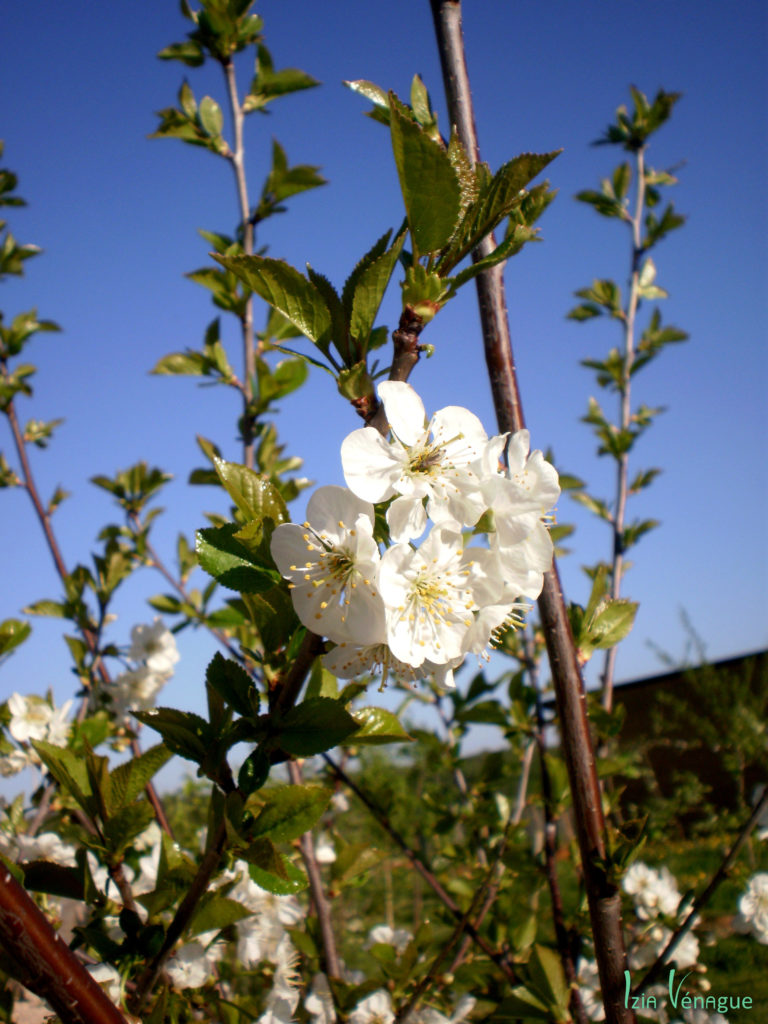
[(602, 894)]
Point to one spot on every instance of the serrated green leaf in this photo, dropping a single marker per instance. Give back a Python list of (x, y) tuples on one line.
[(291, 880), (230, 561), (377, 725), (183, 732), (234, 684), (428, 181), (369, 287), (216, 912), (131, 778), (254, 496), (290, 811), (288, 291), (314, 726)]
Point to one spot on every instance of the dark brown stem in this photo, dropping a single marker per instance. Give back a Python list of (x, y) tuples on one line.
[(332, 965), (49, 968), (421, 868), (602, 894), (701, 901)]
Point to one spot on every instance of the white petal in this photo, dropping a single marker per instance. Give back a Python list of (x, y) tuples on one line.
[(406, 518), (333, 510), (371, 464), (404, 409)]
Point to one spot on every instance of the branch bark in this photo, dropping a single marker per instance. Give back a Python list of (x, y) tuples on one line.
[(49, 967), (602, 894)]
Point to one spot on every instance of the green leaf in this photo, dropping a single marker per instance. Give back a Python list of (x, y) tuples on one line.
[(183, 732), (377, 725), (428, 181), (233, 683), (314, 726), (216, 912), (254, 772), (230, 561), (370, 283), (521, 1005), (210, 116), (290, 811), (13, 632), (69, 771), (288, 291), (131, 778), (122, 828), (546, 973), (292, 881), (190, 364), (254, 496)]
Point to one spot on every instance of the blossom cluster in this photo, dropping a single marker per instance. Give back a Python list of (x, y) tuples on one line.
[(417, 609), (31, 718), (154, 653)]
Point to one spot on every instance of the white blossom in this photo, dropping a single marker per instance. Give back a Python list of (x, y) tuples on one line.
[(109, 979), (13, 762), (382, 933), (417, 467), (374, 1009), (45, 846), (348, 661), (753, 908), (33, 718), (155, 646), (654, 892), (431, 595), (283, 997), (324, 851), (319, 1001), (332, 563), (190, 966), (136, 690)]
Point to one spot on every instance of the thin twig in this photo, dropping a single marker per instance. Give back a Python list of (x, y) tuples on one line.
[(625, 415), (237, 159), (332, 964), (701, 901), (421, 868), (603, 895), (58, 560)]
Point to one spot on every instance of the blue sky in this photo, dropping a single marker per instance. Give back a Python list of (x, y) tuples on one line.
[(117, 216)]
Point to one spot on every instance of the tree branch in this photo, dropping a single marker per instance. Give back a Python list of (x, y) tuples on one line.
[(602, 894), (51, 970)]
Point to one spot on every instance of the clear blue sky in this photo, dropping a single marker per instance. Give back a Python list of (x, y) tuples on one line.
[(117, 216)]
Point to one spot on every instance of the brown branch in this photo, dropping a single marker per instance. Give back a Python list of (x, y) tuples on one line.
[(419, 865), (332, 964), (50, 969), (602, 894)]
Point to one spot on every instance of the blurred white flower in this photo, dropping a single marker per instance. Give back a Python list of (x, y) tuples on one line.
[(374, 1009), (33, 718), (13, 762), (339, 801), (753, 908), (190, 966), (109, 979), (136, 690), (382, 933), (283, 997), (654, 892), (45, 846), (324, 851), (155, 646)]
